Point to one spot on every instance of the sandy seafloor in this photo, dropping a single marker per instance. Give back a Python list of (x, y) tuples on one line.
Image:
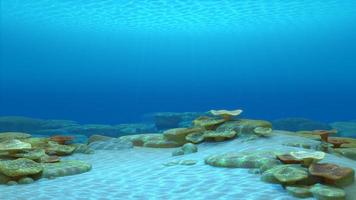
[(138, 173)]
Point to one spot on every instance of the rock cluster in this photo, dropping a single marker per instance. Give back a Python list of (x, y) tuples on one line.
[(24, 159)]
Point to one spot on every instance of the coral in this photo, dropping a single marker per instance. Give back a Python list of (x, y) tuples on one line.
[(263, 131), (288, 159), (226, 114), (324, 192), (208, 123), (14, 145), (308, 157), (61, 139)]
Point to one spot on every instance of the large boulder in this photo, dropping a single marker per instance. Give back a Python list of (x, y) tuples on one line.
[(20, 167), (299, 124)]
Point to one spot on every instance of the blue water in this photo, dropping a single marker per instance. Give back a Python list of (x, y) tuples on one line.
[(113, 61)]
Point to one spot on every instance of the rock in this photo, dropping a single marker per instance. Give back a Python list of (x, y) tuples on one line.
[(187, 162), (111, 144), (150, 140), (37, 142), (263, 131), (195, 138), (299, 124), (208, 123), (11, 183), (261, 159), (50, 159), (285, 174), (178, 152), (4, 179), (347, 152), (96, 138), (166, 120), (162, 143), (13, 135), (25, 180), (333, 174), (244, 126), (58, 149), (323, 192), (171, 163), (83, 148), (219, 136), (345, 129), (178, 135), (14, 145), (64, 168), (20, 167), (187, 148), (299, 192), (289, 174), (33, 154)]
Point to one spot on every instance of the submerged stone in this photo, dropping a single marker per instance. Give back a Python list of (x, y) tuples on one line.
[(300, 192), (323, 192), (219, 136), (64, 168), (333, 174), (20, 167), (54, 148)]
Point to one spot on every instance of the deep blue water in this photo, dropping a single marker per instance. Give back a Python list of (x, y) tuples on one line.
[(76, 60)]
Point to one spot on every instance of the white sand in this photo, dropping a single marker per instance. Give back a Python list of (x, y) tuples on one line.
[(139, 174)]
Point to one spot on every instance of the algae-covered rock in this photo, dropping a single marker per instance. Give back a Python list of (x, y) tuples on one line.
[(300, 192), (37, 143), (195, 138), (33, 154), (244, 126), (226, 114), (178, 135), (187, 148), (54, 148), (13, 135), (219, 136), (263, 131), (289, 174), (323, 192), (187, 162), (64, 168), (25, 180), (150, 140), (20, 167), (14, 145), (83, 148), (285, 174), (260, 159), (208, 123), (4, 179)]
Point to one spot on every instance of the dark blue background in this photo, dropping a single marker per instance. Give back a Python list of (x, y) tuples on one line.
[(104, 78)]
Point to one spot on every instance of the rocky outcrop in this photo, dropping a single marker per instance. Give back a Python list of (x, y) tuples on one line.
[(299, 124)]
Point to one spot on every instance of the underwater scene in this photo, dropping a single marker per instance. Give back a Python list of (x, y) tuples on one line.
[(178, 99)]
